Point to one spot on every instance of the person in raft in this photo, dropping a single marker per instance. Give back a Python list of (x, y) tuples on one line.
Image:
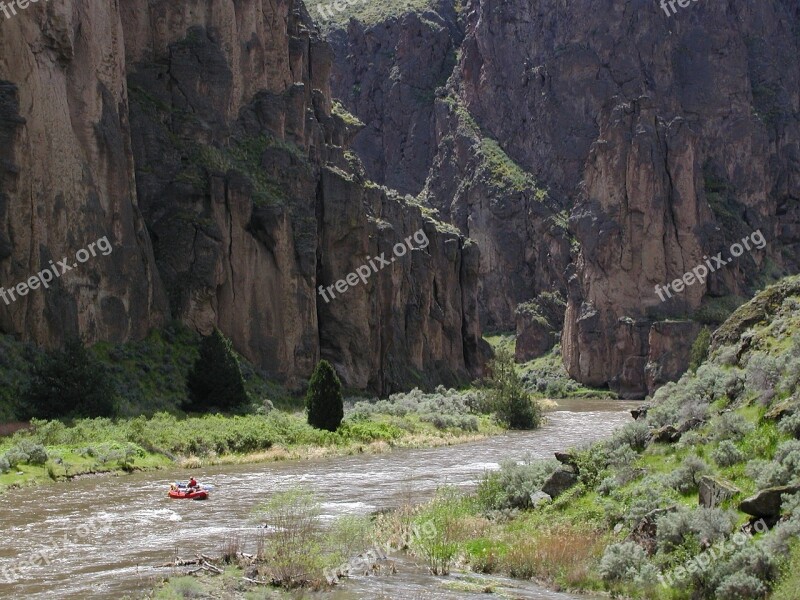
[(192, 483)]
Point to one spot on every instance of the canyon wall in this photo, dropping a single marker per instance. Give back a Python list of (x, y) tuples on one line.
[(665, 139), (199, 137)]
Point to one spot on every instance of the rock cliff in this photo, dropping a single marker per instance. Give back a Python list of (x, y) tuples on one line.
[(199, 137), (665, 138)]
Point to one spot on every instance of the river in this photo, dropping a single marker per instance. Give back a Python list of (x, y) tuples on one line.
[(141, 527)]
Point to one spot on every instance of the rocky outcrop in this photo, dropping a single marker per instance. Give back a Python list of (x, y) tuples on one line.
[(767, 503), (559, 482), (387, 75), (539, 324), (200, 138), (712, 491), (669, 349)]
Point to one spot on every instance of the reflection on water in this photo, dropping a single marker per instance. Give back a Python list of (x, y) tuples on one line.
[(142, 527)]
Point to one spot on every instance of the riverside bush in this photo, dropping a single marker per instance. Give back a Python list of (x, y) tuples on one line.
[(513, 484), (507, 397), (445, 409), (633, 435), (36, 453)]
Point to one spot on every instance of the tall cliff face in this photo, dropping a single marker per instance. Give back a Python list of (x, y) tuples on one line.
[(66, 177), (232, 194), (666, 138), (684, 133)]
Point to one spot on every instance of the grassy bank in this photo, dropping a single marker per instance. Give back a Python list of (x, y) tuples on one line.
[(52, 450)]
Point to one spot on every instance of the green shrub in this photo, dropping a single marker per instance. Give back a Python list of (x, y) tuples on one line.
[(686, 478), (440, 517), (293, 545), (740, 586), (507, 395), (790, 425), (634, 435), (186, 587), (622, 562), (513, 484), (727, 454), (15, 456), (5, 465), (36, 453), (699, 350), (324, 403), (731, 426), (215, 381), (69, 383)]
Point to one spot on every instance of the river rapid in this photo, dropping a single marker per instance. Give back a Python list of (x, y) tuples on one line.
[(136, 526)]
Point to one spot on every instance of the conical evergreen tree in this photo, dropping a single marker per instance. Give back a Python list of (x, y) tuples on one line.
[(69, 383), (215, 381), (324, 402)]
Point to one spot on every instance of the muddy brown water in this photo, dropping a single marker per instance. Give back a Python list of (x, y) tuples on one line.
[(137, 527)]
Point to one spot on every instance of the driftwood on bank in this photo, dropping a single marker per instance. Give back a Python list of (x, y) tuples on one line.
[(201, 560)]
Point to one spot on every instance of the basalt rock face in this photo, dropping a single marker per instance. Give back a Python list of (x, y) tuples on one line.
[(667, 138), (387, 75), (66, 178), (207, 150)]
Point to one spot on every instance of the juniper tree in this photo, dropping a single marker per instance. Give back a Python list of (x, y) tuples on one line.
[(69, 383), (324, 402), (216, 381), (507, 396)]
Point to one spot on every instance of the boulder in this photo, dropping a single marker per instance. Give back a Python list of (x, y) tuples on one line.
[(567, 458), (767, 503), (783, 409), (690, 424), (667, 434), (640, 412), (559, 482), (644, 532), (539, 499), (714, 490)]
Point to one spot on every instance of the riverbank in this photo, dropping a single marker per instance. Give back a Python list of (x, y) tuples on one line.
[(698, 498), (51, 451)]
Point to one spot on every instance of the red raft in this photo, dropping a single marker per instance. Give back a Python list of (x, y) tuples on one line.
[(184, 493)]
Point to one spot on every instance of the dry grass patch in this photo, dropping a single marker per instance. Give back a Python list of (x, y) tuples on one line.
[(562, 553)]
